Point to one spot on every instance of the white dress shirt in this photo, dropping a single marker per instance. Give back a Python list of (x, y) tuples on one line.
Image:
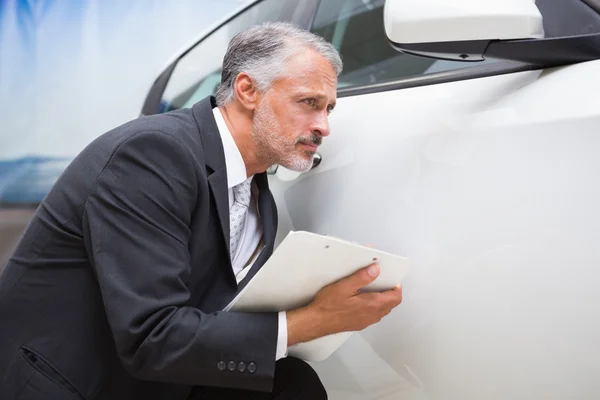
[(252, 233)]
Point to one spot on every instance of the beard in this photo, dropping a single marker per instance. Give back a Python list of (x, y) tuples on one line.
[(274, 147)]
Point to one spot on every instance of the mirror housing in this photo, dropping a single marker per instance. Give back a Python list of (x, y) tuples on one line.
[(459, 29), (426, 21)]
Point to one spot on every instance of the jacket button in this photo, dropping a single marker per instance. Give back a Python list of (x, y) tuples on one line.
[(231, 366), (242, 366), (221, 366), (252, 368)]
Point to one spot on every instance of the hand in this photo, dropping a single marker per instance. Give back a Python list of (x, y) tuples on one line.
[(342, 307)]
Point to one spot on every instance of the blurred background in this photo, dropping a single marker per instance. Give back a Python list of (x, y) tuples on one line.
[(71, 70)]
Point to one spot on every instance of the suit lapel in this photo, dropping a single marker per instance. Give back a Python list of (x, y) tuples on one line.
[(216, 169), (267, 209), (217, 179), (218, 185)]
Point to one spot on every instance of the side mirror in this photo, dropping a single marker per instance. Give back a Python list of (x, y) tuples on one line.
[(458, 30), (473, 30)]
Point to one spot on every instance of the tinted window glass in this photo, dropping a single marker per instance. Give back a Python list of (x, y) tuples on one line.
[(198, 73), (355, 28), (568, 18)]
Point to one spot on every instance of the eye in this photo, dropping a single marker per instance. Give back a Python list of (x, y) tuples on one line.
[(311, 102), (329, 109)]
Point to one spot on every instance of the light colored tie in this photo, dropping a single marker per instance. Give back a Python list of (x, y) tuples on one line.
[(237, 214)]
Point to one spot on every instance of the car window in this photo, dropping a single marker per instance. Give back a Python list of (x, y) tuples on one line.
[(198, 73), (568, 17), (355, 28)]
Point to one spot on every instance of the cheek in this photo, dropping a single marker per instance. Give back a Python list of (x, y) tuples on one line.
[(292, 122), (300, 121)]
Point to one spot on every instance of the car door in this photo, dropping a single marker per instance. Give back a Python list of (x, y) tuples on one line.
[(484, 176)]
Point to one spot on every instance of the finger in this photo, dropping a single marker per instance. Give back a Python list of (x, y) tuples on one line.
[(394, 296), (359, 279), (395, 289), (370, 297)]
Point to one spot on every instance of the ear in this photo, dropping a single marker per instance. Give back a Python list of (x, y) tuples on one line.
[(246, 91)]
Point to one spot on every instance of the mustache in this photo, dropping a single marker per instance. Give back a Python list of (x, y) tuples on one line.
[(313, 139)]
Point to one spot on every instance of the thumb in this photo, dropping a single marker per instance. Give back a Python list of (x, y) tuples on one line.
[(360, 278)]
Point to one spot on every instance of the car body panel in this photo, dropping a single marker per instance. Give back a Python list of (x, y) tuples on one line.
[(488, 186)]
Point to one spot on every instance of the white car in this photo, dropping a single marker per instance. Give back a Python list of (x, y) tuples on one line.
[(466, 138)]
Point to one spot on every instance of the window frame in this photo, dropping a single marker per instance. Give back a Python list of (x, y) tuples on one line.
[(152, 102), (455, 75)]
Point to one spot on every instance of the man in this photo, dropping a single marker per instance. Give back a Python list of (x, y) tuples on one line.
[(115, 289)]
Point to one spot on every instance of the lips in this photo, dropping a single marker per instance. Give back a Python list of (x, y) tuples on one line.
[(312, 143), (311, 146)]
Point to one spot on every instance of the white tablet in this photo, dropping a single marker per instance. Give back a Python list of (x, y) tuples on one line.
[(300, 266)]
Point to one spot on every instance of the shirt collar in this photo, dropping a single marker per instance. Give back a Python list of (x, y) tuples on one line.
[(234, 163)]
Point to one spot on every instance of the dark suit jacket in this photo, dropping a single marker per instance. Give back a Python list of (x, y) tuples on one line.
[(115, 289)]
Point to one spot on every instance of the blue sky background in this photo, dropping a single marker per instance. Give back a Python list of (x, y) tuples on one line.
[(72, 69)]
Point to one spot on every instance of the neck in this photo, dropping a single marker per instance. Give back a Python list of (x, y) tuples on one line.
[(239, 123)]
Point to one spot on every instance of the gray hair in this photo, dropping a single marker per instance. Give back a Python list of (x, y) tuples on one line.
[(262, 52)]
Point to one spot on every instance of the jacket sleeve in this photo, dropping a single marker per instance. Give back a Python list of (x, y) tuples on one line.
[(136, 230)]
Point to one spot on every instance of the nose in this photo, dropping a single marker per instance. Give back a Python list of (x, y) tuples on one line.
[(321, 124)]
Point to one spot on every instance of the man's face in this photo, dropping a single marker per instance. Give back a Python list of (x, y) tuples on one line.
[(292, 118)]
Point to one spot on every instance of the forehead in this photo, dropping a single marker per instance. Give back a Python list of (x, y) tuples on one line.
[(308, 70)]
